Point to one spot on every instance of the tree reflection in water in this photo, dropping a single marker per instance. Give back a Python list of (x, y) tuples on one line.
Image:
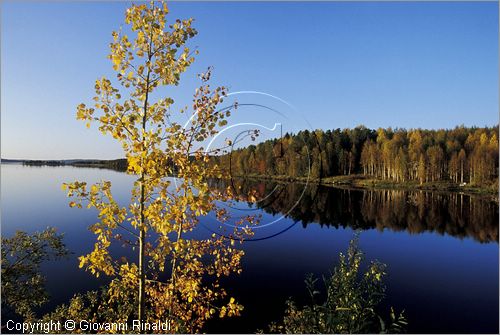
[(454, 214)]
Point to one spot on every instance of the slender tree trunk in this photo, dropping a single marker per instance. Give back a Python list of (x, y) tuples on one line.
[(142, 228), (142, 275), (174, 261)]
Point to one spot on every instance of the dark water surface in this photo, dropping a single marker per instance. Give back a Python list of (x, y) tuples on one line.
[(441, 249)]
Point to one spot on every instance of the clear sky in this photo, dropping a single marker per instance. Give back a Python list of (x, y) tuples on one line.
[(421, 64)]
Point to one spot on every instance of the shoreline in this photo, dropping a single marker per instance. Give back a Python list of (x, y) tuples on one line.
[(357, 181), (363, 182)]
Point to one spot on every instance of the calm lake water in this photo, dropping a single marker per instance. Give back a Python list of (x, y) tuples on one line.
[(441, 249)]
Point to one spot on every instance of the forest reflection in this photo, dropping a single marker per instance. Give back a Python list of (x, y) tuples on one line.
[(455, 214)]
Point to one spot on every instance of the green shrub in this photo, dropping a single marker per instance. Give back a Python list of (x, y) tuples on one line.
[(351, 301)]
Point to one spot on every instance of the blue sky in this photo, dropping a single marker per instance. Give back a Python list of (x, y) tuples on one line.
[(421, 64)]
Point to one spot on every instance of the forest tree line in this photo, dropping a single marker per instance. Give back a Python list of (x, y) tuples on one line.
[(462, 155)]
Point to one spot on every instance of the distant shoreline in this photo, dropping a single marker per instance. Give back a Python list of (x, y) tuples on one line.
[(349, 181), (114, 164)]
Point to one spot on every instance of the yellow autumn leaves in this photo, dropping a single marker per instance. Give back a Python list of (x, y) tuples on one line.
[(176, 277)]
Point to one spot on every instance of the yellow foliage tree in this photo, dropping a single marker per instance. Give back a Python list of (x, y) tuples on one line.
[(160, 212)]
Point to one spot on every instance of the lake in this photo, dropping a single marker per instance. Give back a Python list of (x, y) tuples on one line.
[(441, 249)]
